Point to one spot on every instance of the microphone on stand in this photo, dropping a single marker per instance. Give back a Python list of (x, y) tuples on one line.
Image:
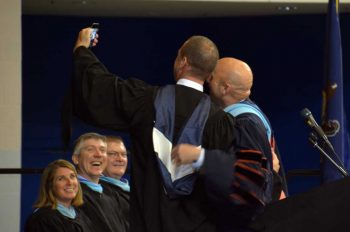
[(311, 122), (317, 134)]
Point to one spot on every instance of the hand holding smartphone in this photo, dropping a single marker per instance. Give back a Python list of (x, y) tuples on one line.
[(95, 27)]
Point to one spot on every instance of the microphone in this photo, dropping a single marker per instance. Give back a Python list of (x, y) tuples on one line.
[(319, 133), (311, 122)]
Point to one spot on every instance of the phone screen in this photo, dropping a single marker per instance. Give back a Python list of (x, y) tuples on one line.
[(94, 27), (93, 34)]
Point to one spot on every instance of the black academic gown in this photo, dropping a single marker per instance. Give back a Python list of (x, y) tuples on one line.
[(102, 210), (252, 134), (46, 219), (123, 200), (105, 100), (233, 216)]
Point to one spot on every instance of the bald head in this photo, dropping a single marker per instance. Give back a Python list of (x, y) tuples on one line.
[(231, 82)]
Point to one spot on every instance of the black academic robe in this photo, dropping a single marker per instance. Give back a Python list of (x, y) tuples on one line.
[(251, 133), (236, 215), (105, 100), (47, 219), (123, 200), (102, 210)]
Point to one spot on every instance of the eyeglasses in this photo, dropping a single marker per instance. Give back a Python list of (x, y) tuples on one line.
[(115, 153)]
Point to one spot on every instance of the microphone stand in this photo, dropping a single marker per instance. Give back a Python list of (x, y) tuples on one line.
[(313, 141)]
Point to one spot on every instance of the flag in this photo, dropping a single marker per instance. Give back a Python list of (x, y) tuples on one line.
[(333, 115)]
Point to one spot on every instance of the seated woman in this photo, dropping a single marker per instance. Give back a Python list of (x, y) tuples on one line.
[(60, 193)]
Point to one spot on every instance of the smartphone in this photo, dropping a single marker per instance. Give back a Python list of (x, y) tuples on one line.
[(95, 27)]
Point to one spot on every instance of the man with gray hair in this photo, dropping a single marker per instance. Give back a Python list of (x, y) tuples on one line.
[(99, 206)]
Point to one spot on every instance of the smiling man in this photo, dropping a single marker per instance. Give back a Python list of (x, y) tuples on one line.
[(90, 157), (117, 161)]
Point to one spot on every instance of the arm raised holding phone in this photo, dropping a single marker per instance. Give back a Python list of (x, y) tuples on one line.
[(87, 37)]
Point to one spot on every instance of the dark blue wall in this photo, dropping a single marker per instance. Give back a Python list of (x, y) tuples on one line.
[(285, 53)]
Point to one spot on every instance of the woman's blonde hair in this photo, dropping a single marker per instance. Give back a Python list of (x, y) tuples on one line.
[(46, 193)]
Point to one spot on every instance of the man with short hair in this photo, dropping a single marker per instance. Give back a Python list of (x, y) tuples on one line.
[(90, 156), (163, 197), (117, 158), (100, 206), (117, 161)]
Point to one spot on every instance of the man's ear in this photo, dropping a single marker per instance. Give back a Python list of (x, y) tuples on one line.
[(75, 159), (209, 78), (226, 88), (183, 62)]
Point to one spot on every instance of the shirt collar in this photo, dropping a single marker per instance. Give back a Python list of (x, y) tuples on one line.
[(68, 212), (190, 84), (93, 186), (122, 183)]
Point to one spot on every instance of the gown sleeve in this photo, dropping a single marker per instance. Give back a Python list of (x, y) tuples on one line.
[(103, 99), (239, 181), (253, 136)]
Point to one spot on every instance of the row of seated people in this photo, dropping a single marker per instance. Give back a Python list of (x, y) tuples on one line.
[(90, 195), (95, 196)]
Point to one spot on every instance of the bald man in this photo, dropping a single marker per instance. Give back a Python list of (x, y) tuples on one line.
[(231, 82), (230, 87), (245, 174), (238, 182)]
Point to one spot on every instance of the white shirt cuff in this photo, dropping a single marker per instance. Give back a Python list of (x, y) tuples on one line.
[(198, 164)]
